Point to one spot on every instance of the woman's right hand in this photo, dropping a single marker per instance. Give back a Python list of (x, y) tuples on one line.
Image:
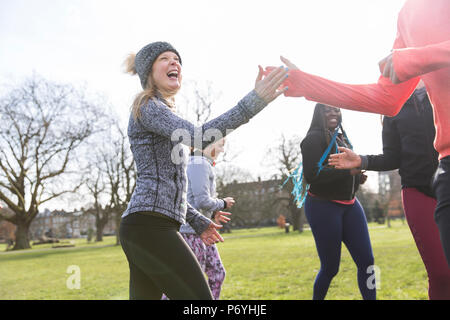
[(268, 87)]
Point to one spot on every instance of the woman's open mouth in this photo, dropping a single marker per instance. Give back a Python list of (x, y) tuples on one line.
[(173, 74)]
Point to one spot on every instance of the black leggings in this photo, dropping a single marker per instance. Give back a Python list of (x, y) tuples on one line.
[(441, 187), (160, 261)]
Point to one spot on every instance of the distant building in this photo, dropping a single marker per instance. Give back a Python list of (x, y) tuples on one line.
[(62, 224), (258, 203)]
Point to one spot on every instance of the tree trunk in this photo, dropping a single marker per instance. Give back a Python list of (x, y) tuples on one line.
[(22, 241), (99, 235), (296, 216), (301, 219), (298, 220), (100, 225), (118, 218)]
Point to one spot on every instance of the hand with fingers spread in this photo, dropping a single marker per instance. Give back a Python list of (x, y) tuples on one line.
[(221, 217), (289, 66), (210, 236), (267, 86), (346, 159)]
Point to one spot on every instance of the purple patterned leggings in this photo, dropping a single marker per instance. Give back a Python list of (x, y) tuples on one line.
[(210, 262)]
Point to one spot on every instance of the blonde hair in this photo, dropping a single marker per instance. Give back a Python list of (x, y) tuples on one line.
[(150, 92)]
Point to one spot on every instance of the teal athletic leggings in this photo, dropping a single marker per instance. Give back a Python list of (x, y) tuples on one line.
[(160, 261)]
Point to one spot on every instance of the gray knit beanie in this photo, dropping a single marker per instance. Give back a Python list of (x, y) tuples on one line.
[(147, 56)]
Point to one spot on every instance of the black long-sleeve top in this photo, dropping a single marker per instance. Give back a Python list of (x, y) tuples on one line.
[(408, 144), (330, 183)]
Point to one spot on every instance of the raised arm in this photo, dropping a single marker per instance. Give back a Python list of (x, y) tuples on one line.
[(383, 97), (157, 118)]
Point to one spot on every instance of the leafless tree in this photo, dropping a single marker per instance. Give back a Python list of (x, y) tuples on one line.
[(111, 177), (196, 101), (120, 173), (43, 126), (96, 186)]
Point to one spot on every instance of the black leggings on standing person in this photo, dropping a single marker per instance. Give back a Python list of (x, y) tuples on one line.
[(160, 261), (441, 186)]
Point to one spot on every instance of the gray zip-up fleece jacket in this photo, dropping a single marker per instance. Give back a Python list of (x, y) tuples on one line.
[(161, 182), (201, 193)]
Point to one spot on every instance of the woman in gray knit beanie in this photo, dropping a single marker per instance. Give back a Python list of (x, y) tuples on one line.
[(160, 261)]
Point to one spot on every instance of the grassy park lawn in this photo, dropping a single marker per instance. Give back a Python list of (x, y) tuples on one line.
[(264, 263)]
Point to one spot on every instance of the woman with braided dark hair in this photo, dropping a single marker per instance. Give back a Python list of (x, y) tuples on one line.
[(333, 212)]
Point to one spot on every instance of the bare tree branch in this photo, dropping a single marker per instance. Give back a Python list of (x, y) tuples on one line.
[(43, 125)]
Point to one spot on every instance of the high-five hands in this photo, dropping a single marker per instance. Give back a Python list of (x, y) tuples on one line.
[(267, 85), (286, 61)]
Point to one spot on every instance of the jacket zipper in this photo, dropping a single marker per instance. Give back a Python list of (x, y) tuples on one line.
[(176, 187), (353, 187)]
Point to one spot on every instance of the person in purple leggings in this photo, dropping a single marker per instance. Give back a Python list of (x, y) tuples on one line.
[(201, 194)]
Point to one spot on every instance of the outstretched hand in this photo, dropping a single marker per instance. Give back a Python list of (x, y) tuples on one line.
[(288, 63), (387, 69), (267, 86), (210, 236), (346, 159)]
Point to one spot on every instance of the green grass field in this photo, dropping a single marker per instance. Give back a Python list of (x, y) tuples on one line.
[(263, 263)]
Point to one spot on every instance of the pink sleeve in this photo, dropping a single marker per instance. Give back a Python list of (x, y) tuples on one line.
[(413, 62), (382, 97)]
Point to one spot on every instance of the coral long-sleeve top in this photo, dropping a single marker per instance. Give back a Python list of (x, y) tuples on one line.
[(421, 51)]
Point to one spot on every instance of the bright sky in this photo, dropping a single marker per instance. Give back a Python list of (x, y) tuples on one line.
[(85, 41)]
